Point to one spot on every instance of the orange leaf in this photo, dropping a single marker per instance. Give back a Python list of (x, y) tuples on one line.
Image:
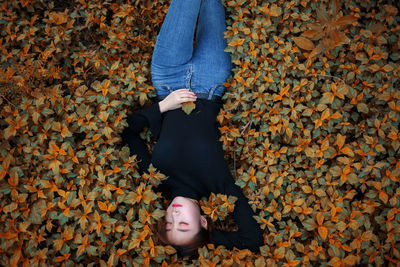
[(102, 206), (293, 262), (319, 163), (383, 196), (320, 218), (348, 151), (13, 180), (323, 232), (325, 114), (325, 145), (236, 42), (337, 115), (340, 139)]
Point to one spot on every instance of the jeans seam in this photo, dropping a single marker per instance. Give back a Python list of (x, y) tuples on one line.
[(188, 77), (160, 84)]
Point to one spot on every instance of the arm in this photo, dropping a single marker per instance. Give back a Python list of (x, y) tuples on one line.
[(151, 116), (249, 236)]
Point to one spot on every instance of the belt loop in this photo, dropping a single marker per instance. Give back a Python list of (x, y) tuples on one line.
[(210, 94), (169, 88)]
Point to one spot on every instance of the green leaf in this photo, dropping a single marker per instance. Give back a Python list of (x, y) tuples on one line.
[(335, 171), (309, 224), (362, 107)]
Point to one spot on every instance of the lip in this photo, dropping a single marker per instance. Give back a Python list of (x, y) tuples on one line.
[(176, 205)]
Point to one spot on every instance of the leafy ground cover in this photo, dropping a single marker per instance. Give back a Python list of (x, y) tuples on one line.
[(310, 128)]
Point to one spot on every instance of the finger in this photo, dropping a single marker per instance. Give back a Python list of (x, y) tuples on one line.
[(182, 90), (189, 94), (188, 99)]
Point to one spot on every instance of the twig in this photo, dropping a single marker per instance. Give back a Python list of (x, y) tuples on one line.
[(2, 96), (245, 127), (234, 161), (241, 133)]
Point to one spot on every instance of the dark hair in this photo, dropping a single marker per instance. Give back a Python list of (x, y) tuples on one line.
[(202, 238)]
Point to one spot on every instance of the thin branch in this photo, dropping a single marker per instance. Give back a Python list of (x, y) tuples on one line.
[(2, 96), (234, 161), (245, 127), (241, 133)]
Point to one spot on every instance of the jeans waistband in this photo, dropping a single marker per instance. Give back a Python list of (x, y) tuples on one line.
[(199, 95)]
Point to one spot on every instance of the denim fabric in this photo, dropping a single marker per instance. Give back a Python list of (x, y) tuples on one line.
[(177, 64)]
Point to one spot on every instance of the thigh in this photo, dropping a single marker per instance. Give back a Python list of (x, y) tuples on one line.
[(210, 72), (174, 45), (167, 79)]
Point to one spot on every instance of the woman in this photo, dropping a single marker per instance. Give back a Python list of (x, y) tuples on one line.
[(188, 149)]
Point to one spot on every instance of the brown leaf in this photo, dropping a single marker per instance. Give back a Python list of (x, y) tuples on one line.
[(304, 43), (345, 20), (318, 49), (312, 34)]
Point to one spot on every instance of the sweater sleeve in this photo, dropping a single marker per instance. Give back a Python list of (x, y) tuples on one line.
[(249, 236), (147, 117)]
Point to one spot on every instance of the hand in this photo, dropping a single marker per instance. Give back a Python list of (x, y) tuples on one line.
[(175, 99)]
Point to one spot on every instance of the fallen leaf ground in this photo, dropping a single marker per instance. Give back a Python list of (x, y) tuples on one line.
[(310, 129)]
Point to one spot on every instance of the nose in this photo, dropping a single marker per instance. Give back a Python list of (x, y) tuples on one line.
[(175, 210)]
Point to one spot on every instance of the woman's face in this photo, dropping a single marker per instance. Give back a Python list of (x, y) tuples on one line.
[(183, 220)]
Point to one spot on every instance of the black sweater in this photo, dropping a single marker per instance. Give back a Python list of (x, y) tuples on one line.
[(189, 152)]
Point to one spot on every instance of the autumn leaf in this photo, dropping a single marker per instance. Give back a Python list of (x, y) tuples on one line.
[(236, 43), (304, 43), (188, 107), (347, 19), (308, 129)]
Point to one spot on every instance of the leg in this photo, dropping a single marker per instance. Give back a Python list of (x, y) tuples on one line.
[(210, 30), (174, 44), (212, 65)]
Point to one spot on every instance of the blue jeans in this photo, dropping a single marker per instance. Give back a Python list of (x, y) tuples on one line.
[(177, 64)]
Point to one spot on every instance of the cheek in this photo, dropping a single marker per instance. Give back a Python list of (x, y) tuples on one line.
[(193, 215), (168, 214)]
